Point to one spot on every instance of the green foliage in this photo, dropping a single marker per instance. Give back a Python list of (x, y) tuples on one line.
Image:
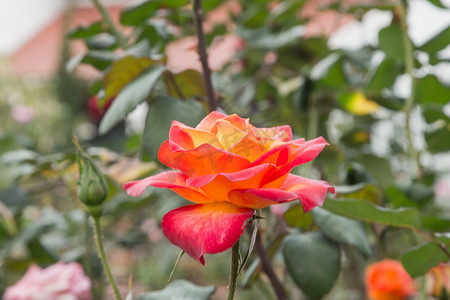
[(134, 93), (313, 261)]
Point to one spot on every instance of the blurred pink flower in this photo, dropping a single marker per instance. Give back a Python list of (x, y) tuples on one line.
[(442, 189), (222, 15), (182, 55), (58, 282), (22, 114)]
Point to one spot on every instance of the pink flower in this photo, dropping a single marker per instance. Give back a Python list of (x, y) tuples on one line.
[(58, 282), (22, 114), (229, 168)]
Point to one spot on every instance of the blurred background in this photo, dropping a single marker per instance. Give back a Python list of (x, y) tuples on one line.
[(326, 68)]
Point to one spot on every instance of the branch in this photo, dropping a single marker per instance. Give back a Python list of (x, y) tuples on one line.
[(203, 55)]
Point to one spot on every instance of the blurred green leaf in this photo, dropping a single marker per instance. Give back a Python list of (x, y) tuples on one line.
[(437, 3), (313, 261), (189, 83), (130, 96), (163, 110), (436, 223), (383, 77), (365, 211), (270, 41), (363, 191), (422, 258), (99, 59), (415, 195), (328, 72), (391, 42), (121, 73), (136, 15), (436, 43), (433, 112), (83, 32), (430, 90), (174, 3), (342, 230), (180, 289), (438, 140), (103, 41), (378, 167), (295, 217)]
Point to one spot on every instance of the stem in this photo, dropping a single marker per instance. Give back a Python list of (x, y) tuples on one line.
[(203, 55), (268, 268), (234, 271), (176, 86), (102, 256), (409, 69), (120, 38)]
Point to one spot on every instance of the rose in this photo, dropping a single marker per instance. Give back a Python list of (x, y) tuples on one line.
[(438, 281), (57, 282), (388, 280), (229, 168)]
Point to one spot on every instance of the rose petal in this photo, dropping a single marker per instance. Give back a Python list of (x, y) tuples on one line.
[(209, 120), (203, 160), (201, 229), (174, 180), (218, 186), (280, 133), (189, 138), (260, 198), (291, 154), (228, 134), (310, 192)]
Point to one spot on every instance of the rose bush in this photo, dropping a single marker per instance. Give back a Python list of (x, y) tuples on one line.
[(57, 282), (388, 280), (229, 168)]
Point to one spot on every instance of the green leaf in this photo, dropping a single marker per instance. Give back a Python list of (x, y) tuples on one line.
[(383, 77), (363, 191), (379, 168), (83, 32), (328, 72), (430, 90), (391, 42), (163, 110), (436, 44), (189, 82), (422, 258), (313, 261), (99, 59), (433, 112), (437, 3), (435, 223), (438, 140), (295, 216), (180, 289), (134, 93), (136, 15), (103, 41), (174, 3), (121, 73), (277, 40), (365, 211), (342, 230)]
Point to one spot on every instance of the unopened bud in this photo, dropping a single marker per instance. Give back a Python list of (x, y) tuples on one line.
[(438, 281), (93, 189)]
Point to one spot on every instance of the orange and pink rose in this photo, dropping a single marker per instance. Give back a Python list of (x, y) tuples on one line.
[(229, 168), (388, 280)]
